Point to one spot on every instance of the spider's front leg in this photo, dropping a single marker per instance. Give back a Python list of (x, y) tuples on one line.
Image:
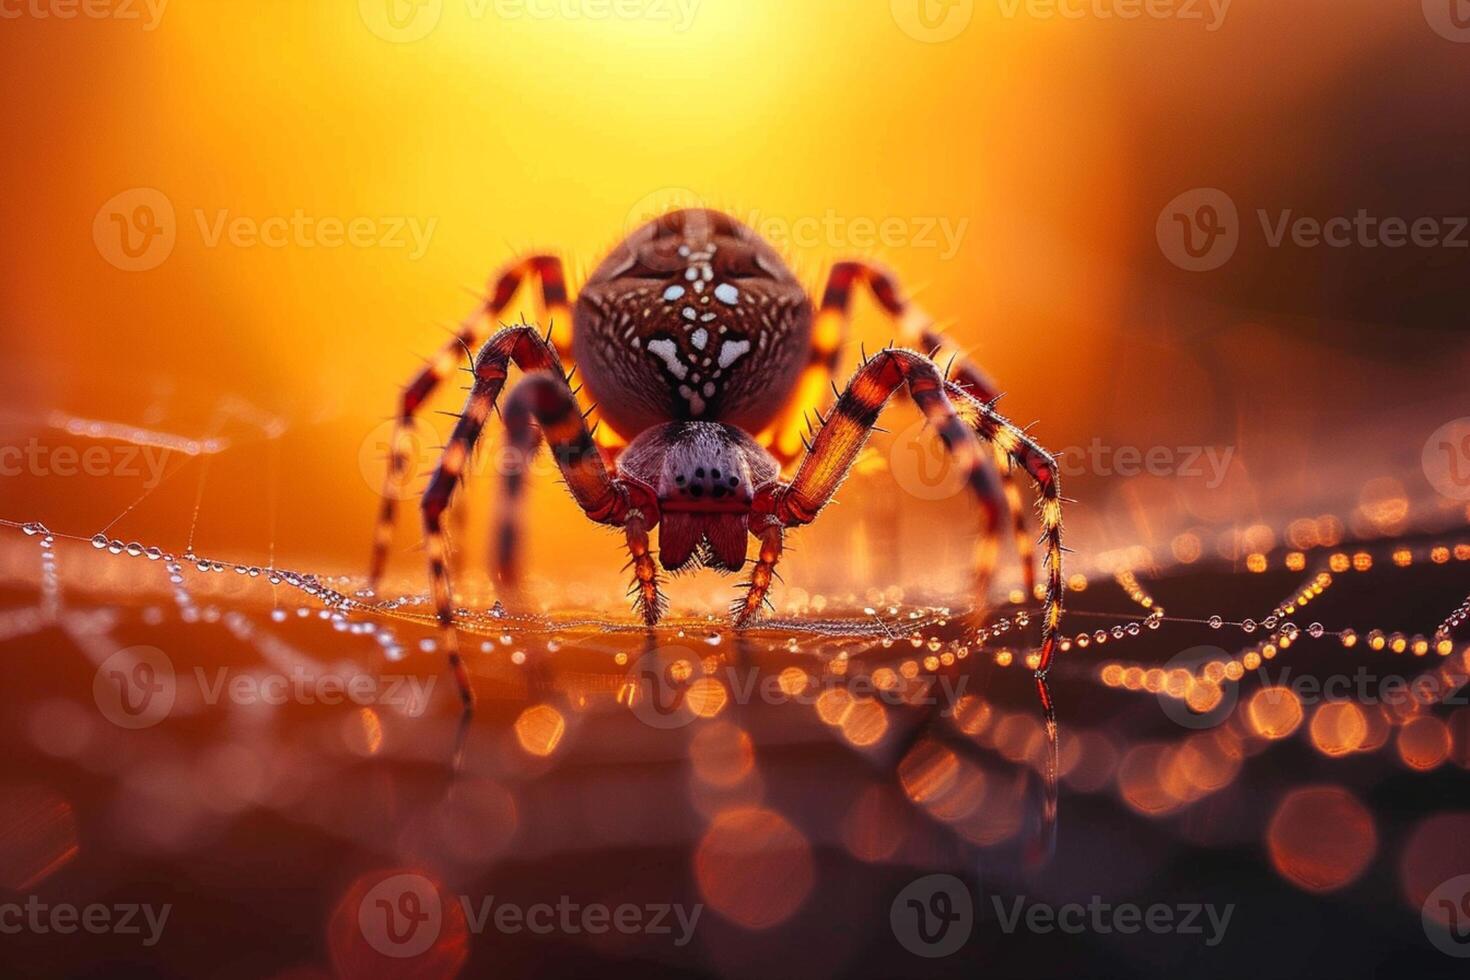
[(916, 328), (958, 418), (548, 270), (551, 401)]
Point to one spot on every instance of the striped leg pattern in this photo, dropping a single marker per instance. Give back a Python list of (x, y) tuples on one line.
[(959, 418), (548, 271), (916, 328), (554, 406), (522, 441)]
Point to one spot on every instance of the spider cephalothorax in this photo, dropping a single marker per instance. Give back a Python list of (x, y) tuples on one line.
[(706, 357), (704, 476)]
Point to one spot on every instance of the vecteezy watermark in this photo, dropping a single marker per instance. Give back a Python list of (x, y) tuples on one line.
[(829, 229), (858, 233), (932, 21), (1209, 463), (1209, 13), (668, 687), (1450, 19), (924, 468), (1207, 703), (933, 916), (138, 687), (422, 447), (1200, 230), (406, 21), (35, 458), (137, 230), (64, 919), (146, 12), (402, 917), (1209, 707), (1446, 916), (1125, 918), (1446, 459)]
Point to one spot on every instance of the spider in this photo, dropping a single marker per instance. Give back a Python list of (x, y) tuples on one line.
[(702, 351)]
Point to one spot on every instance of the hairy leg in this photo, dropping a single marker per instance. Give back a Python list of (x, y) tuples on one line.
[(548, 270), (555, 409), (916, 329)]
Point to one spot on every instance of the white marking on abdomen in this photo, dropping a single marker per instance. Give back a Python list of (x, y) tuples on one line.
[(665, 350), (730, 351)]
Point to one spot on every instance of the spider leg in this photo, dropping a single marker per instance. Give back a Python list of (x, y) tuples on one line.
[(522, 441), (745, 609), (548, 270), (916, 329), (784, 438), (604, 499), (648, 598), (959, 418)]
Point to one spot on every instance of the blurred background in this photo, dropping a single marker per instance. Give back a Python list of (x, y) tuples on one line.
[(1012, 164), (1217, 250)]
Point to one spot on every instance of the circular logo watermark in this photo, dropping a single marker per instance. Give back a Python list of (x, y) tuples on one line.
[(401, 916), (417, 442), (1207, 703), (923, 466), (1446, 916), (1199, 230), (659, 203), (932, 21), (1446, 459), (401, 21), (933, 916), (136, 229), (657, 687), (1449, 19), (135, 687)]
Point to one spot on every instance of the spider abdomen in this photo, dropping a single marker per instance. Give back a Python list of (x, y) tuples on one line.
[(691, 318)]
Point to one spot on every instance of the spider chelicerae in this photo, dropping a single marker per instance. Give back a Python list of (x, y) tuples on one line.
[(704, 355)]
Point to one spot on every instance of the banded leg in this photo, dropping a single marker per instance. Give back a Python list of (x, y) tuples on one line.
[(784, 439), (522, 441), (747, 606), (648, 598), (959, 418), (916, 329), (555, 409), (841, 438), (548, 270)]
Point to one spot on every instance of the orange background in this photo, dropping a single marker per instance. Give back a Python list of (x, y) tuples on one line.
[(1055, 141)]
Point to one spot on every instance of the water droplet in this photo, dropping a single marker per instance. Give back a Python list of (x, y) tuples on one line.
[(1315, 630), (99, 541), (1216, 622), (1249, 625)]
